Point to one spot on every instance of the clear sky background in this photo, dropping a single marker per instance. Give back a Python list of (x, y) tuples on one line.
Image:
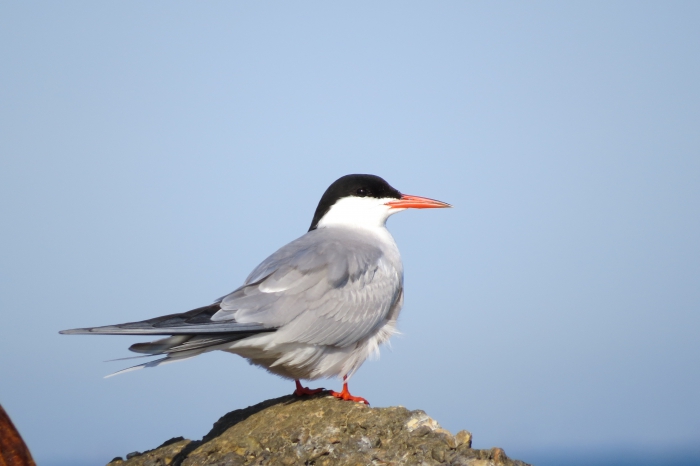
[(153, 153)]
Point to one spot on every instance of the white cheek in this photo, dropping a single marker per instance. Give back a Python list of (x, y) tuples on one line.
[(367, 212)]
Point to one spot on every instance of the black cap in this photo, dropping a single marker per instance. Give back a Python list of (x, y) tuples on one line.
[(353, 186)]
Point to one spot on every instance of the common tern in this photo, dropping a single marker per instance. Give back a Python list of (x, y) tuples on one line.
[(316, 308)]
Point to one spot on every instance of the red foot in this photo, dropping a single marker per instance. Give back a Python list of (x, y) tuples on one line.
[(301, 391), (345, 395)]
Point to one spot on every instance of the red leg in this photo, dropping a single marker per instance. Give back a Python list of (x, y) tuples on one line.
[(301, 391), (345, 394)]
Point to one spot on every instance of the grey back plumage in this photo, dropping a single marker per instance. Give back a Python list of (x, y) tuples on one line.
[(329, 287)]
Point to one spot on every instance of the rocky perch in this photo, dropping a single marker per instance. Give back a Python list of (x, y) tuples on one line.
[(320, 431)]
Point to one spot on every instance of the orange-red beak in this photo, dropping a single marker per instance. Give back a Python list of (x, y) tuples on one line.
[(416, 202)]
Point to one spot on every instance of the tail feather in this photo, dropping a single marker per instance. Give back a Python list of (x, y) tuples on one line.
[(159, 346), (178, 348), (180, 343), (130, 357), (135, 368), (157, 362)]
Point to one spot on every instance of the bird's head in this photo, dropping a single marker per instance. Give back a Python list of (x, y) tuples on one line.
[(365, 201)]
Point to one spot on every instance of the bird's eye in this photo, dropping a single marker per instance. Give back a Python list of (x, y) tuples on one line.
[(361, 192)]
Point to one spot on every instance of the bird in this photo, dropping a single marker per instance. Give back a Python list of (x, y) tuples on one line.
[(316, 308)]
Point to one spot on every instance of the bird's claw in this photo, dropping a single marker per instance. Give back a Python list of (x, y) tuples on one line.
[(306, 391), (345, 395)]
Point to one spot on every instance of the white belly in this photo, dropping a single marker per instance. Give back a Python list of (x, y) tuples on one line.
[(305, 361)]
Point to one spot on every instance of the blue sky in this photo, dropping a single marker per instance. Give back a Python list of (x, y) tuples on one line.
[(153, 153)]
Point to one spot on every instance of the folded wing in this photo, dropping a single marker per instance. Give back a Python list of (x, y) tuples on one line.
[(329, 287), (196, 321)]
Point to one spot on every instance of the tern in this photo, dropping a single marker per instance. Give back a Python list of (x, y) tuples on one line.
[(316, 308)]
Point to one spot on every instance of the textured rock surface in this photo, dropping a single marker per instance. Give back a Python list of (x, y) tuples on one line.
[(321, 431)]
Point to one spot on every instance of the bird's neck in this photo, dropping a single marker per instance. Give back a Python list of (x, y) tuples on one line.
[(376, 236)]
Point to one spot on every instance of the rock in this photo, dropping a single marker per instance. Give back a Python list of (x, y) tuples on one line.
[(464, 437), (162, 455), (322, 431)]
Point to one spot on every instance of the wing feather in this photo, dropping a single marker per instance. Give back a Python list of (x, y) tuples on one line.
[(187, 323), (324, 288)]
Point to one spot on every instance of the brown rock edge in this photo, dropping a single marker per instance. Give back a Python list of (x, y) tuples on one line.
[(319, 431), (13, 451)]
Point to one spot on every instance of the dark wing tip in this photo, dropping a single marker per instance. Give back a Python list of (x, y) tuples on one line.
[(78, 331), (192, 322)]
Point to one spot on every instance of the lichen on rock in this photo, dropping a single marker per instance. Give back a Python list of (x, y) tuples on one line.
[(321, 431)]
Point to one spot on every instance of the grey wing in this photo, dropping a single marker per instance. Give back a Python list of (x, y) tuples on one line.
[(192, 333), (324, 288), (196, 321)]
